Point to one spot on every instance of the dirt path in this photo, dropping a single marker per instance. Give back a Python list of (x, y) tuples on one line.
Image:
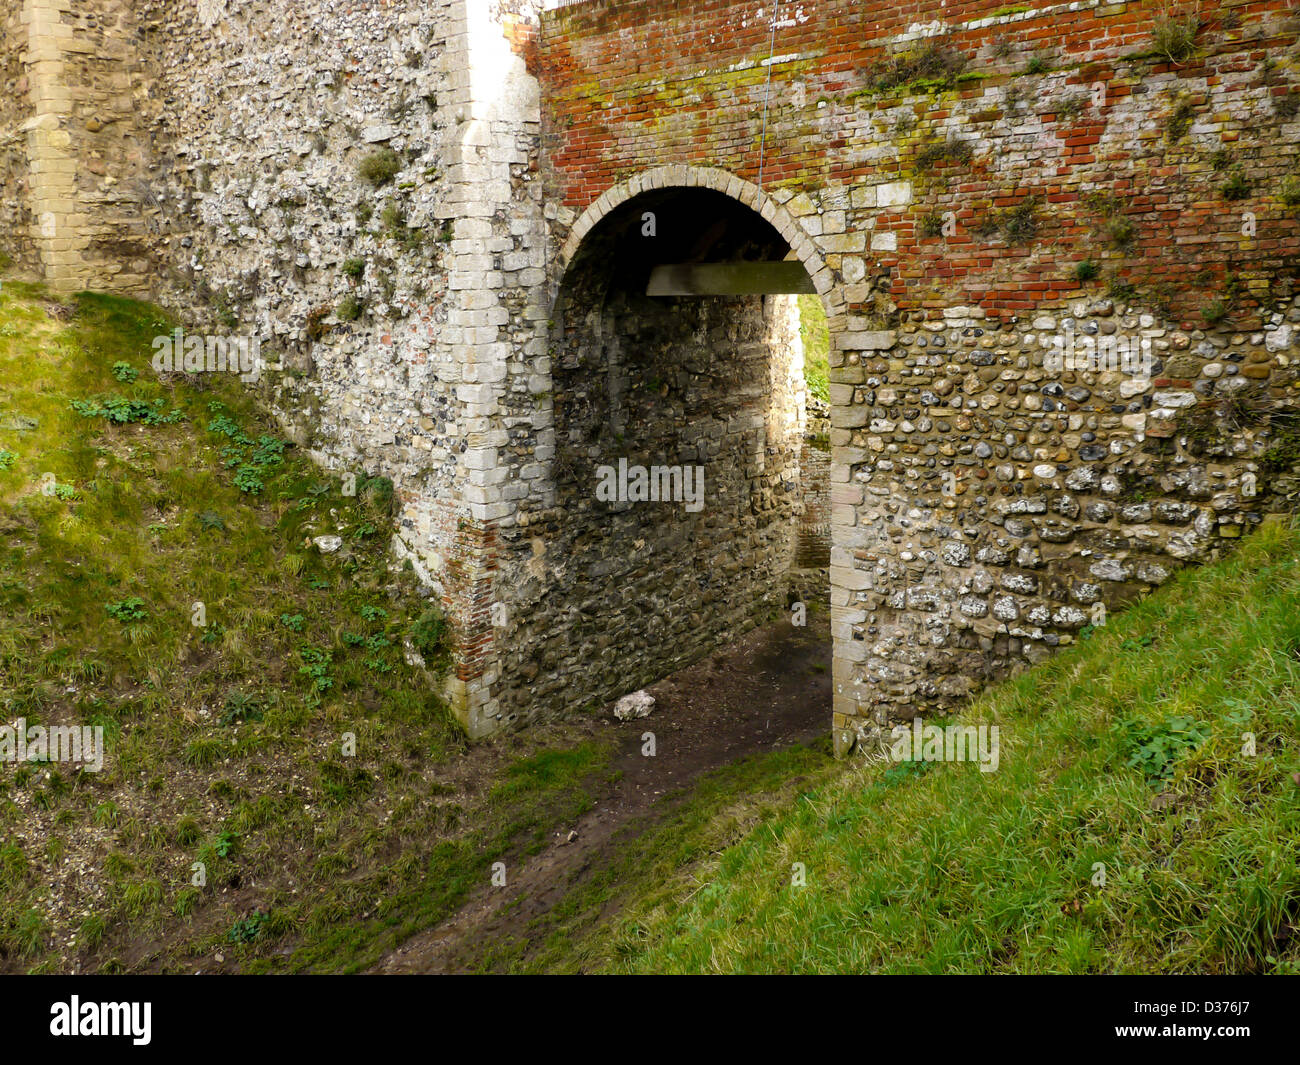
[(771, 689)]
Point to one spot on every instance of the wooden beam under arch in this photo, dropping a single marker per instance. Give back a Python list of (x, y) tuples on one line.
[(730, 279)]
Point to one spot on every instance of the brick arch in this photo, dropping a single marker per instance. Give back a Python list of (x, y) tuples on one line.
[(727, 183)]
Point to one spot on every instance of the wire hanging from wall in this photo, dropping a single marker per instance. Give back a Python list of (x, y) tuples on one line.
[(767, 91)]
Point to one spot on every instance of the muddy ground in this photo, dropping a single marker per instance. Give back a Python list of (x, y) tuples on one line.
[(769, 690)]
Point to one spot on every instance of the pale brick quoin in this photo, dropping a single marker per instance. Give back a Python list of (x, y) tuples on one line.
[(966, 190)]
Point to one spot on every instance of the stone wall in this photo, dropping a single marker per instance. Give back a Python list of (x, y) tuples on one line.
[(992, 502), (71, 197), (110, 90), (633, 590), (383, 297), (810, 575), (974, 193), (56, 222), (17, 243)]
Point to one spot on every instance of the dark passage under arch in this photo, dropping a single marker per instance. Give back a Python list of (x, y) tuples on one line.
[(706, 396)]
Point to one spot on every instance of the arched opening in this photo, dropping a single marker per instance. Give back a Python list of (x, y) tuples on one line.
[(680, 424)]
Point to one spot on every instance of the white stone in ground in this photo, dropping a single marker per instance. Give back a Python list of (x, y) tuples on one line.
[(638, 704), (328, 544)]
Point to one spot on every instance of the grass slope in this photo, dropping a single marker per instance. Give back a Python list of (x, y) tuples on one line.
[(648, 860), (125, 500), (1123, 755)]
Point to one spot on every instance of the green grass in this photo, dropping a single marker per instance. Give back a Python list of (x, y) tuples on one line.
[(535, 794), (225, 738), (573, 937), (816, 346), (1124, 752)]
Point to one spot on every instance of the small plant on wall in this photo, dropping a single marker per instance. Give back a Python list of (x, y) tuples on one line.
[(380, 167), (1237, 187), (1072, 106), (932, 64), (1214, 312), (1015, 225), (932, 225), (952, 150), (1119, 231), (1122, 289), (1115, 228), (1019, 224), (1173, 35), (1180, 120), (349, 309), (1038, 64)]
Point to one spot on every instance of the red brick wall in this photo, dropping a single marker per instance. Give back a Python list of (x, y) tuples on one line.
[(632, 84)]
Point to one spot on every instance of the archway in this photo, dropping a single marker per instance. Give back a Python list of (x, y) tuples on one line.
[(679, 425)]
